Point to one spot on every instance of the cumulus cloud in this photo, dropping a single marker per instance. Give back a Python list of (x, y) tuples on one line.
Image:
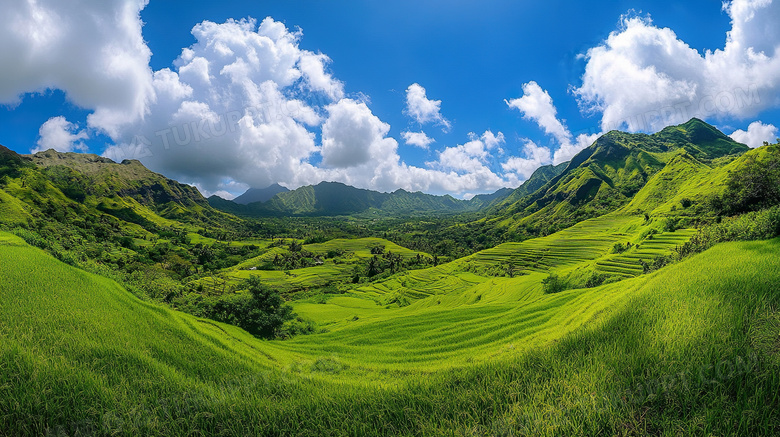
[(535, 157), (91, 49), (61, 135), (418, 139), (467, 167), (422, 109), (537, 105), (472, 156), (242, 106), (239, 104), (643, 78), (756, 134), (353, 135)]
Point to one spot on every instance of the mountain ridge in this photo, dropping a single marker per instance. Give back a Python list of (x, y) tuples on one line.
[(253, 195), (607, 174), (336, 198)]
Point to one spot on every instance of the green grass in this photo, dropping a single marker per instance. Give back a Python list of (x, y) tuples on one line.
[(689, 350), (355, 252)]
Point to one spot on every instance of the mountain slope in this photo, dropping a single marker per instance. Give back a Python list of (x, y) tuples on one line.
[(253, 195), (607, 175), (102, 177), (81, 356), (540, 177), (334, 198)]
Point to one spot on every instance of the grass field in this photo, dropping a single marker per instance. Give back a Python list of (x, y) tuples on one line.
[(689, 350), (352, 253)]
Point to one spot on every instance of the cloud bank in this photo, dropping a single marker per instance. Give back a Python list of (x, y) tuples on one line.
[(643, 78), (245, 105)]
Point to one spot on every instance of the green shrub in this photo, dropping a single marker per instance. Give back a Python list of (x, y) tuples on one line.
[(554, 284), (262, 312), (620, 247)]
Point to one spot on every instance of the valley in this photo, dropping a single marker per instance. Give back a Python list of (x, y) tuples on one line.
[(630, 291)]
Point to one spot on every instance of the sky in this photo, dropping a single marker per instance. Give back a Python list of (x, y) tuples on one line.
[(458, 97)]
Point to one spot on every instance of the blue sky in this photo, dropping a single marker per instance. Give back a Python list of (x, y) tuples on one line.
[(472, 59)]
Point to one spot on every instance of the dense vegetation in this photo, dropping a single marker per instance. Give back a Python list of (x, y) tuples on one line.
[(623, 293)]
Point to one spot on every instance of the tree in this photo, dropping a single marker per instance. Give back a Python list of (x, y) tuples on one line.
[(755, 186), (553, 284), (268, 310), (261, 311)]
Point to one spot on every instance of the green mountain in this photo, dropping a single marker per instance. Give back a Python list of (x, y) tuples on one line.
[(75, 204), (253, 195), (334, 198), (609, 173), (540, 177), (657, 315)]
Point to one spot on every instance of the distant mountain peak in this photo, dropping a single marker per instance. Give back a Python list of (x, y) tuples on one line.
[(253, 195)]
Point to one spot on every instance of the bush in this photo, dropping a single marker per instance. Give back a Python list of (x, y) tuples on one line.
[(296, 326), (657, 263), (262, 312), (620, 247), (554, 284), (755, 186), (596, 279)]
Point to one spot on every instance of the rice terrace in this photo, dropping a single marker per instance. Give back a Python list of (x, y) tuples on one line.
[(389, 219)]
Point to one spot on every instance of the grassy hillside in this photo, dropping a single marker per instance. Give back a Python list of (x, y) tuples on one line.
[(331, 264), (616, 325), (688, 350), (607, 175)]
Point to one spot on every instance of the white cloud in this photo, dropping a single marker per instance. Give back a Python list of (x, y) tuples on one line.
[(91, 49), (241, 107), (419, 139), (226, 189), (537, 105), (234, 107), (467, 166), (568, 150), (228, 112), (221, 193), (756, 134), (535, 157), (643, 78), (423, 110), (353, 135), (61, 135)]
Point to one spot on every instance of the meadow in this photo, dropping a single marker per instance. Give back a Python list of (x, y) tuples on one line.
[(691, 349), (634, 293)]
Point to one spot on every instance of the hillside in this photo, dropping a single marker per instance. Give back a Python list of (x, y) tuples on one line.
[(334, 199), (95, 186), (253, 195), (592, 330), (124, 367), (101, 177), (609, 173)]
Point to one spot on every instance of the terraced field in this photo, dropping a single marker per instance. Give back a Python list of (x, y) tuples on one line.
[(629, 263), (361, 247), (581, 246), (82, 356), (583, 242), (347, 255)]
